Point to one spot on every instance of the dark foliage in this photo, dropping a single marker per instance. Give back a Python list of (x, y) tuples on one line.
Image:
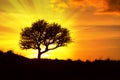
[(44, 34), (15, 67)]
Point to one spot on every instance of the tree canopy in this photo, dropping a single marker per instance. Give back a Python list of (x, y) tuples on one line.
[(41, 33)]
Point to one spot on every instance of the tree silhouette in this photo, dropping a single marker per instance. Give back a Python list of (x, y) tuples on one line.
[(44, 37)]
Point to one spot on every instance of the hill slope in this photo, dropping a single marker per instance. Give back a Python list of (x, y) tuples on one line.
[(16, 67)]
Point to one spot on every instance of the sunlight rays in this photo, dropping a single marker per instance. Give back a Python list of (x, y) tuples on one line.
[(19, 14), (99, 39)]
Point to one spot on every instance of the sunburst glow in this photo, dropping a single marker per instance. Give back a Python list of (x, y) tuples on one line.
[(94, 29), (22, 13)]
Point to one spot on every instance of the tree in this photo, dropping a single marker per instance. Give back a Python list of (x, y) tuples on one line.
[(44, 34)]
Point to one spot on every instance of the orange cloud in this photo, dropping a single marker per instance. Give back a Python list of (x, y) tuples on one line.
[(6, 29), (100, 6), (104, 6), (113, 6)]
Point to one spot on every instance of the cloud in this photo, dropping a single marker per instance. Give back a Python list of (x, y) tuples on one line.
[(113, 6), (5, 29), (59, 5), (100, 6), (103, 28)]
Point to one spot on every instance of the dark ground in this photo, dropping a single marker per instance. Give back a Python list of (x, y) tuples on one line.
[(15, 67)]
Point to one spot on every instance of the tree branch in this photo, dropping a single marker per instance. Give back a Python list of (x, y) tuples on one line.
[(46, 49), (52, 41), (54, 47)]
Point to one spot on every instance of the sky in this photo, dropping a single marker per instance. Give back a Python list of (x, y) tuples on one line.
[(94, 26)]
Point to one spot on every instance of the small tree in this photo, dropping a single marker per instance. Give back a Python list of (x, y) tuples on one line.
[(44, 34)]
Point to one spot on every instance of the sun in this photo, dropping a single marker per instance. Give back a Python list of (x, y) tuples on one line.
[(34, 54), (19, 14)]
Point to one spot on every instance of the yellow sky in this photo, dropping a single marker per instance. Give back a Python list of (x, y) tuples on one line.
[(89, 42)]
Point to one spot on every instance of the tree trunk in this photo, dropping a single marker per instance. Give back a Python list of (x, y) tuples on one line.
[(39, 54)]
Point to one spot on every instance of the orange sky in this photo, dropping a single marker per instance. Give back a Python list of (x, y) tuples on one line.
[(94, 26)]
